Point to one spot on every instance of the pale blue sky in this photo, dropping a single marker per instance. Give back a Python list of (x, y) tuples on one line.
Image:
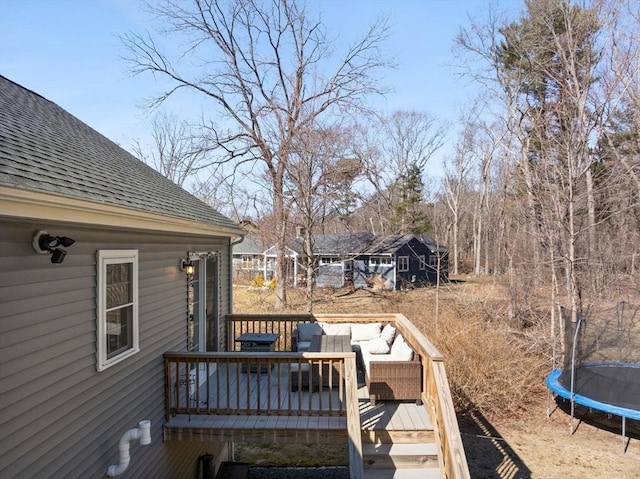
[(69, 52)]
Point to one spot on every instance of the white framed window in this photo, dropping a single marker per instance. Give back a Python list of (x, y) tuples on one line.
[(117, 306), (423, 262), (403, 263), (433, 260), (247, 262), (380, 260), (332, 260)]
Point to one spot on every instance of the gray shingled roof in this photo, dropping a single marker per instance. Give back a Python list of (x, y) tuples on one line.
[(45, 148), (337, 243), (251, 245), (388, 244), (364, 243)]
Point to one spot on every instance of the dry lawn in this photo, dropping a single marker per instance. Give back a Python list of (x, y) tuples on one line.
[(496, 370)]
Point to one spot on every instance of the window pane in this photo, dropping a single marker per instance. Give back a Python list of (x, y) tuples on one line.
[(118, 284), (119, 330)]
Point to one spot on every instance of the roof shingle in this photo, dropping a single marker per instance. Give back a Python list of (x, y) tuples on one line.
[(45, 148)]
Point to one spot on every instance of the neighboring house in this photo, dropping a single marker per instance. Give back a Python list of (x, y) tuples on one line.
[(335, 257), (249, 260), (367, 260), (88, 309), (253, 258), (402, 261)]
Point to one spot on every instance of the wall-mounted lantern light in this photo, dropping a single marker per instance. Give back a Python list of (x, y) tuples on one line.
[(187, 266), (44, 243)]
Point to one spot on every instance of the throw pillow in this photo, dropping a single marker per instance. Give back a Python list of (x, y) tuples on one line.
[(365, 331), (376, 346), (388, 333), (338, 329), (400, 350)]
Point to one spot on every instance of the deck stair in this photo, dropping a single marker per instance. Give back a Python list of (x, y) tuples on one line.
[(398, 440), (400, 455)]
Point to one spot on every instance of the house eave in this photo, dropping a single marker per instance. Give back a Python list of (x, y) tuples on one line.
[(35, 205)]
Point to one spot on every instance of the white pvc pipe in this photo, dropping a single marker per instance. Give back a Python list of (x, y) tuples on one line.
[(143, 433)]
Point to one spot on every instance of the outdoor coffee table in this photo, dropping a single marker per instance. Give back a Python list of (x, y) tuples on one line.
[(321, 344), (330, 343)]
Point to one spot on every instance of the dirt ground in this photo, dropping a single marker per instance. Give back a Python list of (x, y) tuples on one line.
[(534, 446)]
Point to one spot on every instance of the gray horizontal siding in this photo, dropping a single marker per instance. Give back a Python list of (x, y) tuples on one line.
[(331, 276), (59, 417)]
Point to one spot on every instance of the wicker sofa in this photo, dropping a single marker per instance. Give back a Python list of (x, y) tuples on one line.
[(391, 368)]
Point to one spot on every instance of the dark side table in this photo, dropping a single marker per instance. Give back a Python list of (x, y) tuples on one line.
[(257, 343)]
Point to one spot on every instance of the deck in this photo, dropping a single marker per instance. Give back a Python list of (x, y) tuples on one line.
[(397, 438), (315, 397)]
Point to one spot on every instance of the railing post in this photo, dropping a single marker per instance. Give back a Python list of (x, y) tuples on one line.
[(356, 470)]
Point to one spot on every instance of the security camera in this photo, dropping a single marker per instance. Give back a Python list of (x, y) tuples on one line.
[(57, 255), (44, 243)]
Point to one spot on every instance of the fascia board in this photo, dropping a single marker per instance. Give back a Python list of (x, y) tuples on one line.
[(35, 205)]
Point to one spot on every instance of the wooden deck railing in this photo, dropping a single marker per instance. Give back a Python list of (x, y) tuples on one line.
[(284, 325), (436, 394), (270, 383), (257, 383)]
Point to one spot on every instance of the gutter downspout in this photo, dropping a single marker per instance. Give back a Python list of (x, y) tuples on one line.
[(143, 433)]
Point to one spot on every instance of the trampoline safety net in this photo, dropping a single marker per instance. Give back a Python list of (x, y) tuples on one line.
[(605, 358)]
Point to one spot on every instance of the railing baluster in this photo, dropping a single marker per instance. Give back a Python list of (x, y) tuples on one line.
[(202, 383)]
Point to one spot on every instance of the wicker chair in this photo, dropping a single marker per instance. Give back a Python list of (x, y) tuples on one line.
[(394, 380)]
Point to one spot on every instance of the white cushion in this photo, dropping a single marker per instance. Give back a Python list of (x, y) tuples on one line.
[(375, 346), (400, 350), (338, 329), (307, 330), (365, 331), (388, 333)]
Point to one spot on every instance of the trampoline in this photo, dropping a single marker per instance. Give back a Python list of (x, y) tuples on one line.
[(613, 388), (611, 383)]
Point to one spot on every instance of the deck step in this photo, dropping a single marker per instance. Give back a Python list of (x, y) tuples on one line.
[(400, 456), (382, 436), (415, 473)]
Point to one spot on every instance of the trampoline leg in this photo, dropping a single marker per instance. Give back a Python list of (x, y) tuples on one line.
[(624, 420), (571, 420), (548, 403)]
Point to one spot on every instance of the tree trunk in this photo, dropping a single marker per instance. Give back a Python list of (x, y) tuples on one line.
[(281, 243)]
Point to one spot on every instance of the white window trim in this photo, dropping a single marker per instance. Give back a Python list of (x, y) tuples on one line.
[(380, 261), (423, 262), (106, 257), (401, 267), (330, 261)]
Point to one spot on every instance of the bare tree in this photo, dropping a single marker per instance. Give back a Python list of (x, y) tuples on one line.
[(391, 147), (316, 180), (269, 71), (457, 184), (173, 150)]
